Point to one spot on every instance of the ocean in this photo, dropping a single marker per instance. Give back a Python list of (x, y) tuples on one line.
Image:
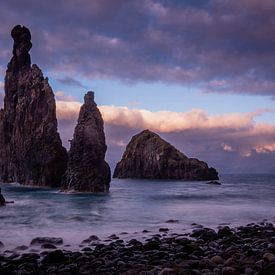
[(133, 206)]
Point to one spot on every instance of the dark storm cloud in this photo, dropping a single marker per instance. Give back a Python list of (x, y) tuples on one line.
[(218, 46)]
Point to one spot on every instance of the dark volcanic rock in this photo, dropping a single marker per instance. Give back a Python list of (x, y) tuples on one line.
[(150, 157), (46, 240), (87, 170), (31, 152), (2, 199), (248, 253), (56, 256)]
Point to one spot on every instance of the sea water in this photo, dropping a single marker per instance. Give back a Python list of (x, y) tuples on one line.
[(132, 206)]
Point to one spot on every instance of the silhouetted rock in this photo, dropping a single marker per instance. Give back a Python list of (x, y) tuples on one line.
[(148, 156), (87, 170), (56, 256), (31, 152), (46, 240), (214, 182), (2, 199)]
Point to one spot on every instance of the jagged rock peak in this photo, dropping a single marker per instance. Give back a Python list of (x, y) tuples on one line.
[(89, 98), (31, 151), (87, 169), (21, 47), (148, 156)]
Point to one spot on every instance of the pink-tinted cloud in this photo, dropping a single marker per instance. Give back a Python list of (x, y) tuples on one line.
[(231, 142)]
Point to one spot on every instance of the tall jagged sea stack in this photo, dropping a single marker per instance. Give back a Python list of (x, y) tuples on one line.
[(31, 151), (87, 170)]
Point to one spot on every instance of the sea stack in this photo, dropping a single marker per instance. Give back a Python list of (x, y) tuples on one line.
[(148, 156), (87, 170), (31, 151)]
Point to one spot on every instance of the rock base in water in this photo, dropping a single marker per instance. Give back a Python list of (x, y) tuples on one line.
[(87, 169), (147, 156), (31, 151)]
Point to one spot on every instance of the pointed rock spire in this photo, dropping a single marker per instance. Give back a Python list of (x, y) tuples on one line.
[(30, 147), (21, 47), (87, 170)]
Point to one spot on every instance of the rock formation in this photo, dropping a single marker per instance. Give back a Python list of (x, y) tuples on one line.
[(87, 170), (2, 200), (31, 152), (148, 156)]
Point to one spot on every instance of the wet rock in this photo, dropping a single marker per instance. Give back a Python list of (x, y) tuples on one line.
[(225, 231), (269, 269), (29, 257), (31, 152), (162, 229), (172, 221), (213, 182), (135, 242), (56, 256), (217, 260), (2, 199), (151, 245), (48, 246), (249, 271), (86, 249), (94, 238), (269, 257), (46, 240), (87, 170), (167, 271), (21, 247), (147, 156), (205, 234), (113, 237), (229, 271), (173, 253)]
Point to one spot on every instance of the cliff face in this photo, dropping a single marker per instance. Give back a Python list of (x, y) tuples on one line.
[(31, 152), (148, 156), (87, 170)]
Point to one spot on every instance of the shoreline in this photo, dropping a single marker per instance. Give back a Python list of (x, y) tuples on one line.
[(248, 249)]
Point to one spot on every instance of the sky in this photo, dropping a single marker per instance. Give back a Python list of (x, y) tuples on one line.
[(200, 73)]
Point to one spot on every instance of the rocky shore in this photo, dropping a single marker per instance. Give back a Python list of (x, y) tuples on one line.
[(246, 249)]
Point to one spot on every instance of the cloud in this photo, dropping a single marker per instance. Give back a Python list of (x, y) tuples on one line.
[(61, 96), (167, 121), (227, 147), (266, 148), (70, 82), (67, 110), (216, 46), (212, 45), (230, 142)]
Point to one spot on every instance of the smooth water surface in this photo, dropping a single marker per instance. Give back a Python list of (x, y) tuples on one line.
[(134, 205)]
